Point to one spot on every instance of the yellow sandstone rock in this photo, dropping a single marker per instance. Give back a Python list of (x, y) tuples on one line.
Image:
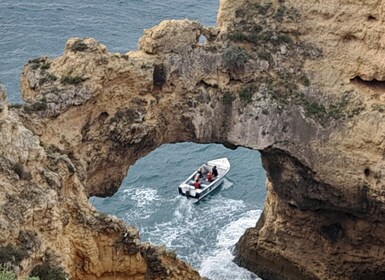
[(300, 81)]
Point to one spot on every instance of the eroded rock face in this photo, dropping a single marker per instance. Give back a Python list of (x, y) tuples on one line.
[(171, 36), (48, 227), (300, 81)]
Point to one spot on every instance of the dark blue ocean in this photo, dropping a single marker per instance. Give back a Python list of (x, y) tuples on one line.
[(203, 234)]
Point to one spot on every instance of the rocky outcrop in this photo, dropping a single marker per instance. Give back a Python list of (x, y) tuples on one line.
[(299, 81), (49, 229)]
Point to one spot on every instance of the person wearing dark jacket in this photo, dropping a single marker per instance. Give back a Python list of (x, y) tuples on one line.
[(215, 172)]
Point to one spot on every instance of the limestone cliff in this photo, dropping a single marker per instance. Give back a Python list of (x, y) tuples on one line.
[(300, 81), (49, 229)]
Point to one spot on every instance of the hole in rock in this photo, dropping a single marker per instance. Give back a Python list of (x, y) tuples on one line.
[(349, 37), (201, 233), (371, 18), (367, 172), (159, 76), (372, 84), (202, 39)]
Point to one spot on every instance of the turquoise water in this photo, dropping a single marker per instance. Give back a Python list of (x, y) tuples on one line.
[(203, 234)]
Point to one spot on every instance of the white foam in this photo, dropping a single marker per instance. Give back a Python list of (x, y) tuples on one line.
[(227, 184), (221, 267), (191, 228), (142, 200), (142, 196), (233, 231), (219, 264)]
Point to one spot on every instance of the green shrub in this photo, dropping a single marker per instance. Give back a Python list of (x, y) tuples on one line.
[(45, 66), (35, 60), (11, 254), (281, 38), (6, 274), (293, 14), (234, 58), (262, 9), (246, 93), (256, 29), (36, 107), (305, 81), (228, 98), (280, 13), (315, 109), (78, 46), (15, 105), (51, 77), (47, 272), (237, 36), (264, 55), (71, 80), (48, 78), (35, 66)]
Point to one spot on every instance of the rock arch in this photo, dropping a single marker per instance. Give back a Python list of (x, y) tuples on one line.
[(282, 87)]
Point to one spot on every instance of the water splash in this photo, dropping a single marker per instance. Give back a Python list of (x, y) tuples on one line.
[(227, 184), (219, 264)]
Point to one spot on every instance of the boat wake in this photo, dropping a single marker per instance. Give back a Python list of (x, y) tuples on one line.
[(219, 264), (203, 233), (227, 184)]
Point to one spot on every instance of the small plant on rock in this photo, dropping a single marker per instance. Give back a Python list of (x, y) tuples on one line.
[(71, 80), (234, 58), (262, 9), (246, 93), (11, 255), (228, 98), (45, 66), (48, 272), (79, 46)]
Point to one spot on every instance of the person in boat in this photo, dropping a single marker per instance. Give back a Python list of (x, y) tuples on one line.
[(210, 177), (197, 185), (214, 172), (199, 174), (205, 170)]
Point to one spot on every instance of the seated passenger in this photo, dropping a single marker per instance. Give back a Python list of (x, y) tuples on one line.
[(210, 177), (197, 185), (215, 172), (198, 175), (204, 170)]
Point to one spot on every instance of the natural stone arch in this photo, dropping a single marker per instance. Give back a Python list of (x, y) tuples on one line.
[(288, 95)]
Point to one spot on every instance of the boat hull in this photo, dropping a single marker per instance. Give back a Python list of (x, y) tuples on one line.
[(187, 187)]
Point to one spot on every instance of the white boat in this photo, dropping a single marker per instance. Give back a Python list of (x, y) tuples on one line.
[(188, 189)]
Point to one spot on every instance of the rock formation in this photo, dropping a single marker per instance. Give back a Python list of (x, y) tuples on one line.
[(49, 229), (300, 81)]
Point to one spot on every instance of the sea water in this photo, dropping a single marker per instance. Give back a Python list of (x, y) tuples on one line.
[(204, 233)]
